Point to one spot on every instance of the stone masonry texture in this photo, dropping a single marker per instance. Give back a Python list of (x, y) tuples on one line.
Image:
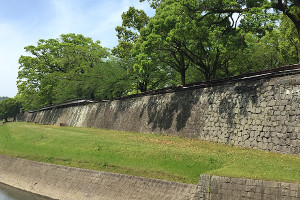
[(66, 183), (225, 188), (260, 114)]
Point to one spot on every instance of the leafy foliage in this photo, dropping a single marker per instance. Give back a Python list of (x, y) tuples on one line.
[(222, 37), (160, 41), (181, 39), (185, 41), (9, 108), (277, 47), (151, 75), (103, 81), (289, 42), (53, 63), (255, 14)]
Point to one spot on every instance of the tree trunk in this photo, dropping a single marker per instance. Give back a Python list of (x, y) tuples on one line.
[(182, 67), (297, 24), (295, 17), (182, 76), (207, 74), (296, 21), (142, 87)]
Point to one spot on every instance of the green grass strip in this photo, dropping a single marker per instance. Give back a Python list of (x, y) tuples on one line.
[(147, 155)]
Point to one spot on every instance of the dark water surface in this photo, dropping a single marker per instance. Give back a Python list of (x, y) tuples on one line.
[(11, 193)]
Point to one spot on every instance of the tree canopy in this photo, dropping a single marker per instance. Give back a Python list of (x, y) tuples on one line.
[(9, 108), (185, 41), (217, 33), (151, 75), (253, 13), (54, 62)]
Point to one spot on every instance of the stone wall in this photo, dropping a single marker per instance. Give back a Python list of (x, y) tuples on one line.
[(255, 113), (224, 188), (67, 183)]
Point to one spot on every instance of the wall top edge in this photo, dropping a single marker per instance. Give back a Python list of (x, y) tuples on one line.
[(252, 76)]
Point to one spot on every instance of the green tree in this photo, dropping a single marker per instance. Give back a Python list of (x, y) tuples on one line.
[(254, 14), (228, 37), (53, 62), (159, 41), (103, 81), (132, 21), (290, 8), (180, 39), (289, 42), (260, 53), (9, 108), (151, 75), (277, 47)]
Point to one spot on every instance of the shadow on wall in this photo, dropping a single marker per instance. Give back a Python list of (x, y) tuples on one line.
[(239, 98), (123, 106), (51, 116), (162, 114), (117, 114)]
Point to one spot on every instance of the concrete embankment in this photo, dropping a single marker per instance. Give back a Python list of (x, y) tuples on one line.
[(67, 183), (59, 182)]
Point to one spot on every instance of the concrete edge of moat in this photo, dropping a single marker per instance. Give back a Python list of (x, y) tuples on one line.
[(60, 182)]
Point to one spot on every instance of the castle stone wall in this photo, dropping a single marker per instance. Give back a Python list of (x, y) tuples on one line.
[(260, 114)]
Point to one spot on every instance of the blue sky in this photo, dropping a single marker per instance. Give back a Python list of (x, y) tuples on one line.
[(24, 22)]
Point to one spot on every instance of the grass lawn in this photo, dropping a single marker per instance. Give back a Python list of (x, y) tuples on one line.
[(147, 155)]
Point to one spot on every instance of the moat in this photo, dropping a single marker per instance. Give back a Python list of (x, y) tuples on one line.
[(11, 193)]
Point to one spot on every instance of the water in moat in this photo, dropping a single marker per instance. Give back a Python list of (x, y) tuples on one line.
[(11, 193)]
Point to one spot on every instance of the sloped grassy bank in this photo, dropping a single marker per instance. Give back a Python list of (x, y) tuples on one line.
[(148, 155)]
